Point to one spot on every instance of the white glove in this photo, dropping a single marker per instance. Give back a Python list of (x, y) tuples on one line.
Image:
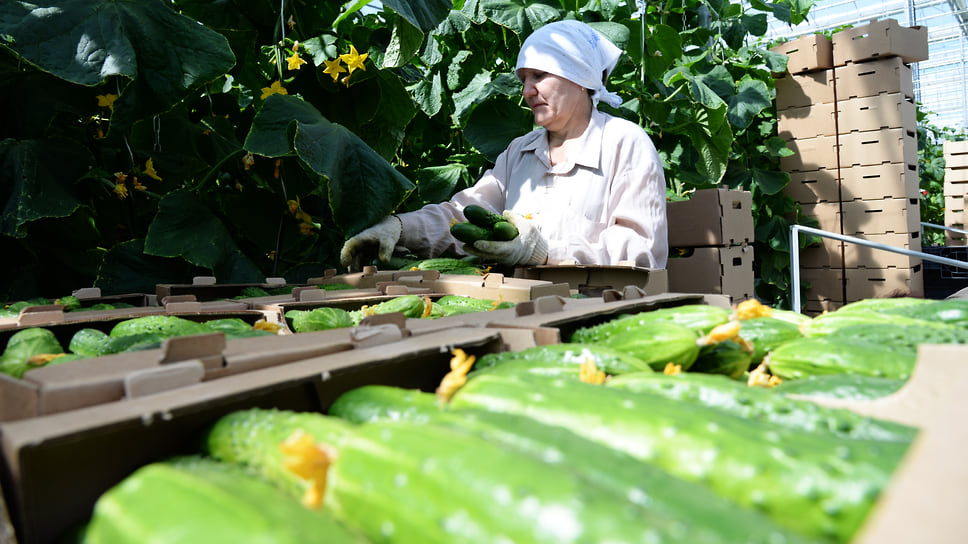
[(385, 234), (529, 247)]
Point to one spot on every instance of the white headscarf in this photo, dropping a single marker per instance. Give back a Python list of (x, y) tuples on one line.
[(576, 52)]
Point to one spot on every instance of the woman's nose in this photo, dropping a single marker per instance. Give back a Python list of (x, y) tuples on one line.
[(529, 88)]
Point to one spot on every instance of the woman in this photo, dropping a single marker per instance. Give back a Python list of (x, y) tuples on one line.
[(586, 187)]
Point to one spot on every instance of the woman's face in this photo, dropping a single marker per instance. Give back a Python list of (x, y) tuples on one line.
[(556, 102)]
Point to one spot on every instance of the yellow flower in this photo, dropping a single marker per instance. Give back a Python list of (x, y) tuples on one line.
[(353, 59), (333, 68), (291, 23), (150, 170), (295, 61), (121, 190), (106, 100), (275, 88), (120, 177), (248, 160), (460, 365), (137, 185), (306, 229)]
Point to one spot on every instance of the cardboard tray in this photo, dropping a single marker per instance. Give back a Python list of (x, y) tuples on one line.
[(594, 280), (87, 450)]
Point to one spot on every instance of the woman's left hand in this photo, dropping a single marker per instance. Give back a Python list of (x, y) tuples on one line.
[(529, 247)]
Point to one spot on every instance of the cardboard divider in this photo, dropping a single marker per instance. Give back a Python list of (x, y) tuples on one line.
[(593, 280)]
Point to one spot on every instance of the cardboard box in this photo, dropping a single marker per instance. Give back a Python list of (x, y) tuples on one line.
[(955, 180), (955, 162), (864, 283), (809, 154), (711, 217), (896, 145), (593, 280), (807, 53), (886, 110), (859, 217), (884, 38), (801, 90), (884, 76), (956, 205), (723, 270), (825, 286), (833, 253), (495, 286), (951, 147), (807, 121), (827, 215), (881, 181), (955, 238), (953, 218)]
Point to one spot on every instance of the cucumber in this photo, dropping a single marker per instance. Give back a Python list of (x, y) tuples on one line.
[(481, 216), (502, 231), (952, 311), (196, 499), (700, 318), (757, 403), (402, 481), (668, 501), (610, 360), (88, 342), (469, 232), (766, 334), (726, 358), (813, 356), (841, 386), (655, 343), (823, 487), (165, 325)]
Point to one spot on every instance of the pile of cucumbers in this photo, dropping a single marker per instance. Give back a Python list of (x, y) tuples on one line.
[(483, 224)]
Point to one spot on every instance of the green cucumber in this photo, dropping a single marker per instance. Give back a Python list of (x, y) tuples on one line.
[(481, 216), (952, 312), (609, 360), (196, 499), (758, 403), (655, 343), (469, 233), (700, 318), (821, 487), (502, 231), (767, 333), (88, 342), (841, 386), (165, 325), (726, 358), (677, 510), (402, 481)]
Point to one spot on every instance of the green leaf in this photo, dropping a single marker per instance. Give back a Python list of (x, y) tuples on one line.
[(37, 177), (423, 14), (439, 183), (184, 227), (364, 187), (404, 43), (428, 94), (480, 89), (522, 16), (755, 23), (752, 97), (496, 122), (165, 55), (770, 182)]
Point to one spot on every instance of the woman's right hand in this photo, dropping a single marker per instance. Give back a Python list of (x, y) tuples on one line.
[(384, 235)]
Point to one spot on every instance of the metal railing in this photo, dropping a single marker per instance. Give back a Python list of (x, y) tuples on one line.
[(795, 231)]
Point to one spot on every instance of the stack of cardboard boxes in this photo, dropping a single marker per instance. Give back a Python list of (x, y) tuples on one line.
[(955, 190), (846, 109), (710, 244)]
